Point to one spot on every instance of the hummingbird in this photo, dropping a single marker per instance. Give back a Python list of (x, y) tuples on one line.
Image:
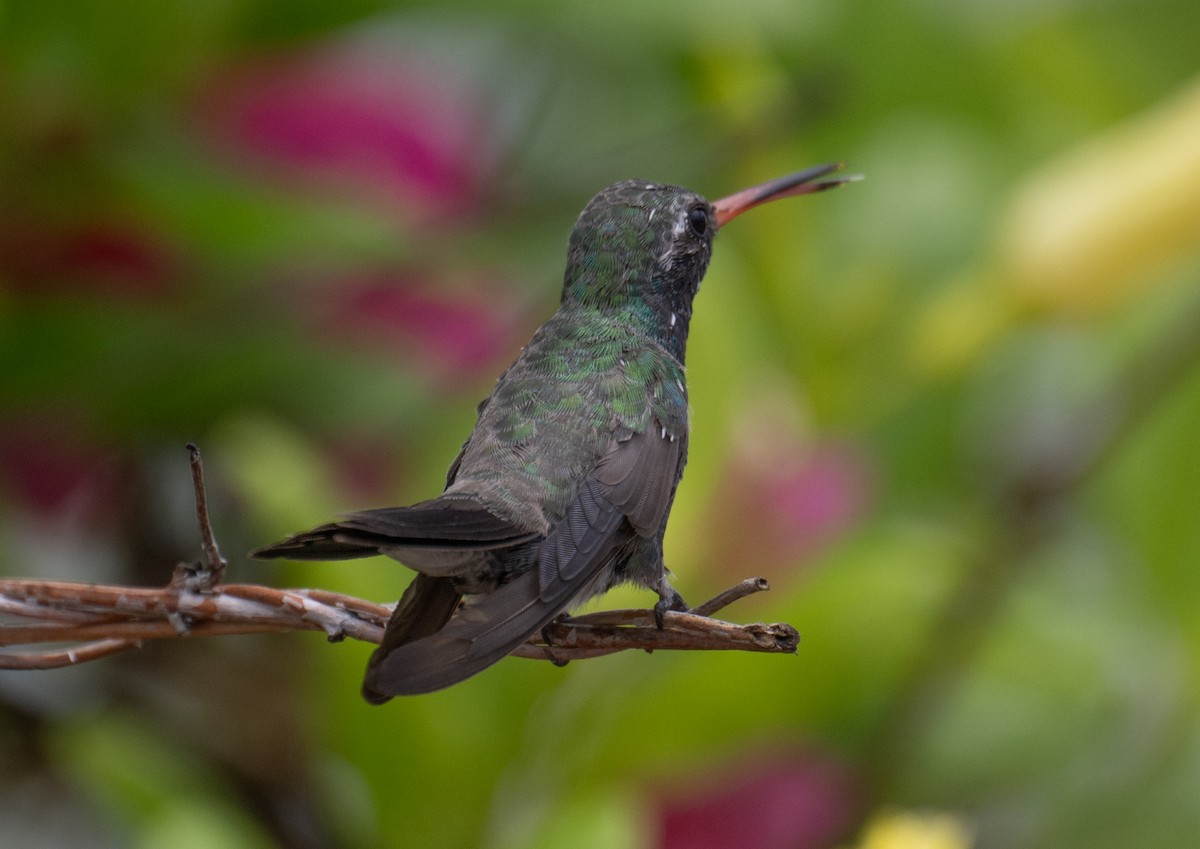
[(564, 487)]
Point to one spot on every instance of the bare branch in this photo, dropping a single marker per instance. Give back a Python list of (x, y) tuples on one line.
[(95, 620), (99, 617)]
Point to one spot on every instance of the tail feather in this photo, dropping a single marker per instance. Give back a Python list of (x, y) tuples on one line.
[(423, 610), (460, 524), (327, 542), (488, 627)]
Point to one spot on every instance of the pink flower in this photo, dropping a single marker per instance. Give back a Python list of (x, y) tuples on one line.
[(51, 468), (380, 123), (368, 466), (784, 498), (816, 497), (775, 802), (109, 257), (451, 338)]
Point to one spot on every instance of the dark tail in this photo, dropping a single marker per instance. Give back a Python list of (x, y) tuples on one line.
[(328, 542), (423, 610)]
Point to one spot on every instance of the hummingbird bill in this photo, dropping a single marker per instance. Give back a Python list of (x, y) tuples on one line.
[(564, 487)]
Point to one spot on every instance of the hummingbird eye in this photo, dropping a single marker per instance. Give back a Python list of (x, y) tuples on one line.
[(697, 218)]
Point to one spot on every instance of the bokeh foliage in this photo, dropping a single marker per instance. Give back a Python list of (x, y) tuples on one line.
[(951, 411)]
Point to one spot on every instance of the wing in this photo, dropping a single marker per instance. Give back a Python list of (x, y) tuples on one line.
[(458, 524), (625, 497)]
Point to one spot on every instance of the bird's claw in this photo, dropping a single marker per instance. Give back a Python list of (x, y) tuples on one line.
[(668, 600), (560, 619)]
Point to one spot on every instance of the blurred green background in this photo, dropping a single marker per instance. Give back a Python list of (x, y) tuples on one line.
[(952, 412)]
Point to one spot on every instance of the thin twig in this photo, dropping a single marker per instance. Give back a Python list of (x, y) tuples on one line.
[(66, 657), (734, 593), (214, 562)]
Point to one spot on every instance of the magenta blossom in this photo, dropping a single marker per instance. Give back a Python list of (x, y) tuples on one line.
[(776, 801), (50, 468), (451, 337), (785, 500), (367, 465), (381, 123), (111, 257)]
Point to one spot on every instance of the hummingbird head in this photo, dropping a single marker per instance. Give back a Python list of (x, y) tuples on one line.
[(642, 248), (632, 238)]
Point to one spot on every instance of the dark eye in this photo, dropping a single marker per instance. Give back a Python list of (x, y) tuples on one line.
[(698, 220)]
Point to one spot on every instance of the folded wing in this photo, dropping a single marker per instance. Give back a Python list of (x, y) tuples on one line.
[(625, 497), (449, 523)]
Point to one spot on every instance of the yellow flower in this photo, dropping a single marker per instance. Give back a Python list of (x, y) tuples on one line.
[(1085, 234), (1094, 228), (909, 830)]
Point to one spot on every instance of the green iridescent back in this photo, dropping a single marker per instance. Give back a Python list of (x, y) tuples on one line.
[(610, 361)]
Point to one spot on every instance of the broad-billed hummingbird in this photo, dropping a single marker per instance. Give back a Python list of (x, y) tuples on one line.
[(564, 486)]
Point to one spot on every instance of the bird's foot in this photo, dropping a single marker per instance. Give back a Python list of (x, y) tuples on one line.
[(560, 619), (668, 599)]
